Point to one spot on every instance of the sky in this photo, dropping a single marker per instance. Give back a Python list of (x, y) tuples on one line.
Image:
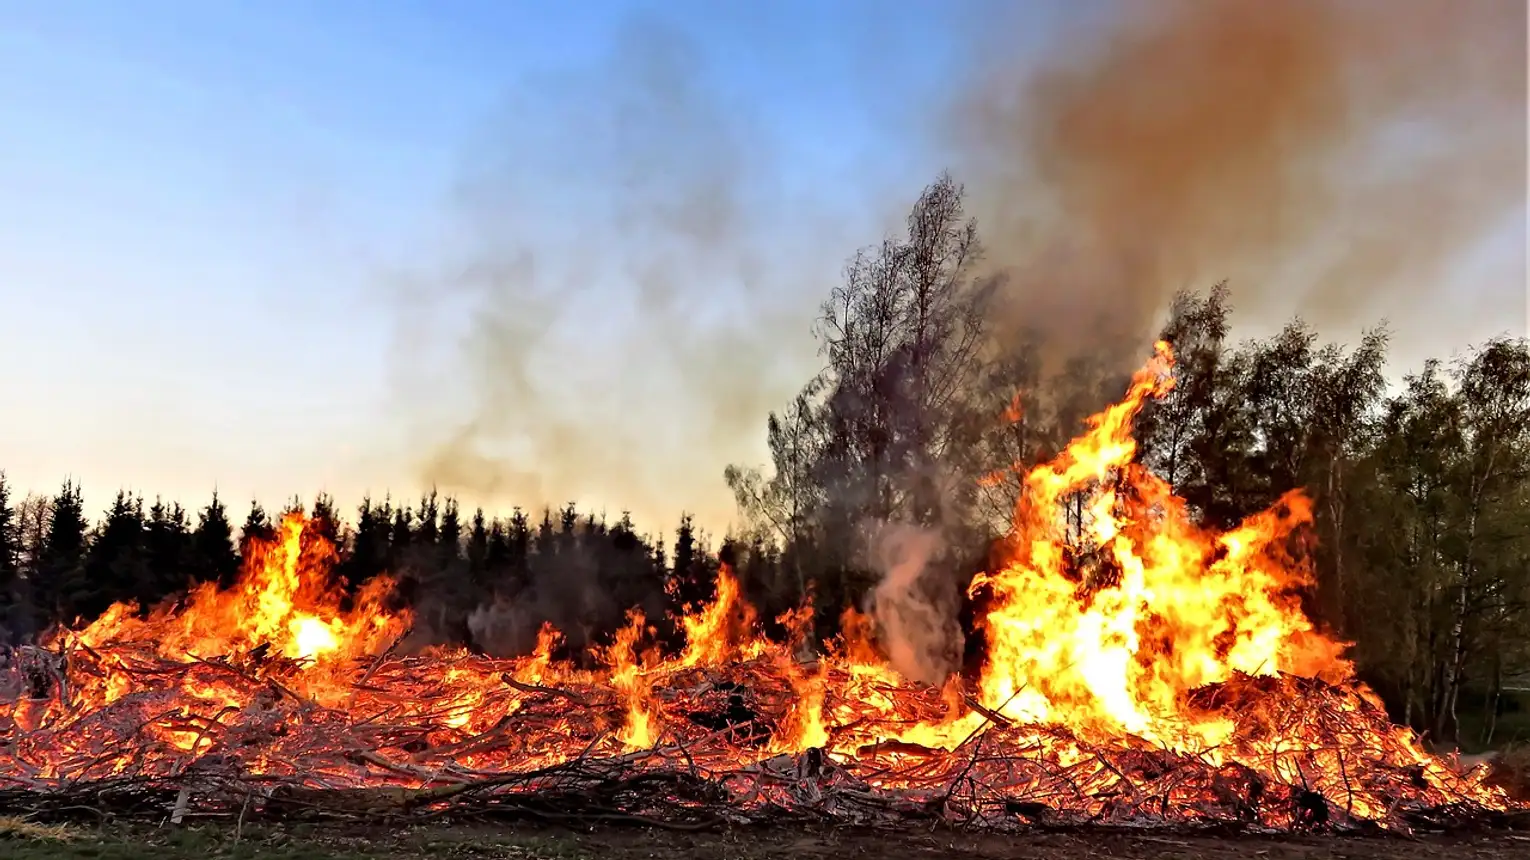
[(213, 215)]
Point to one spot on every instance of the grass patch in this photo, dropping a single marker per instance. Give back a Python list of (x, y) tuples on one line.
[(23, 830)]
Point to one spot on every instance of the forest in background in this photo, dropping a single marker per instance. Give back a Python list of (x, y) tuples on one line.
[(931, 404)]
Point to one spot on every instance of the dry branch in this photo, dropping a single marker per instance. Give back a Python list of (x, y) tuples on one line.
[(250, 741)]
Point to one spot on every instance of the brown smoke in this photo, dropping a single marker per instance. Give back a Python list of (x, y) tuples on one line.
[(1331, 158), (634, 294), (634, 306)]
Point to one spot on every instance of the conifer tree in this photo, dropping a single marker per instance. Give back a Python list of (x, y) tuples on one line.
[(116, 564), (60, 562), (400, 537), (257, 526), (368, 554), (478, 553), (213, 555), (12, 601), (450, 534)]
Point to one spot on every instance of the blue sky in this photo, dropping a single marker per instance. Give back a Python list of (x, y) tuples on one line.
[(201, 204), (204, 207)]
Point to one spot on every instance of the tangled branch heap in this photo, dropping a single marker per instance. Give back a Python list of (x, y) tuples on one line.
[(397, 748)]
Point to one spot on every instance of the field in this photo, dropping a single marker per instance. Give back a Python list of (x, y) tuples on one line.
[(21, 841)]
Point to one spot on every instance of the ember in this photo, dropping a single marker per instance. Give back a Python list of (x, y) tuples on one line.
[(1184, 686)]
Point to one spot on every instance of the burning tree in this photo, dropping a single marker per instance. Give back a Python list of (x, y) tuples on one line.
[(1138, 667)]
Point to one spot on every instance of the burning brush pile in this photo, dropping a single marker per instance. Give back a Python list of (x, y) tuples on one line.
[(1178, 682)]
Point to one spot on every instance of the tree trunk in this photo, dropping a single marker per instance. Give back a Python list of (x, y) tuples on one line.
[(1490, 720), (1453, 668), (1336, 516)]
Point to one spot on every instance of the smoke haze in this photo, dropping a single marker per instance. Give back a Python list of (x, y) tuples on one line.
[(657, 272), (1330, 158), (632, 306)]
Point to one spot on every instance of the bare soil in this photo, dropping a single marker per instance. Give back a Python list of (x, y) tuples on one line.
[(125, 842)]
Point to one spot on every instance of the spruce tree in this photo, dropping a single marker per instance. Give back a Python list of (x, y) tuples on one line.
[(214, 558), (478, 552), (60, 565), (12, 600), (166, 540), (116, 563), (368, 554), (257, 526), (400, 537)]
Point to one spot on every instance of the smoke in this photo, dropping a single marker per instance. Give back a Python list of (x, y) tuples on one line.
[(633, 291), (914, 604), (1330, 158), (567, 593), (634, 282)]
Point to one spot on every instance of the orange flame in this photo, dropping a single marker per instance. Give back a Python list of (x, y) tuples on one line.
[(1170, 608)]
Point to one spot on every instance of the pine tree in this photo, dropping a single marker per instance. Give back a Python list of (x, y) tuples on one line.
[(543, 543), (685, 585), (568, 520), (450, 537), (498, 566), (116, 563), (427, 531), (167, 542), (368, 555), (324, 522), (12, 599), (214, 558), (400, 538), (321, 542), (257, 526), (60, 563), (452, 574), (478, 553)]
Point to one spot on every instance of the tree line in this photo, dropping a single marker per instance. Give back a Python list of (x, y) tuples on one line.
[(1422, 506), (487, 582)]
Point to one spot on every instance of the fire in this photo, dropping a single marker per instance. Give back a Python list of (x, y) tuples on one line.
[(286, 601), (639, 730), (1136, 664), (1168, 608), (310, 638), (721, 630)]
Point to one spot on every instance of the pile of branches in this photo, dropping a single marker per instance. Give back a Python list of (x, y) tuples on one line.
[(416, 738)]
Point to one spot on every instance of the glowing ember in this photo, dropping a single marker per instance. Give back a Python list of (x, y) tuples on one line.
[(1138, 666)]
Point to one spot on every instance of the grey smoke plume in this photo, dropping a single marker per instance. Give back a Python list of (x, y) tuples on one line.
[(915, 603), (1329, 157), (632, 292), (635, 283)]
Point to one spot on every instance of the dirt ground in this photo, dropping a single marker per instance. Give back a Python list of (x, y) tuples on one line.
[(23, 841)]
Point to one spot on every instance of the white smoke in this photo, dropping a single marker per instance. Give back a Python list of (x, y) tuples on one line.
[(915, 603)]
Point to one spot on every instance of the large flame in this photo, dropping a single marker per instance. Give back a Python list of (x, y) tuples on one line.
[(1168, 608), (1117, 627)]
